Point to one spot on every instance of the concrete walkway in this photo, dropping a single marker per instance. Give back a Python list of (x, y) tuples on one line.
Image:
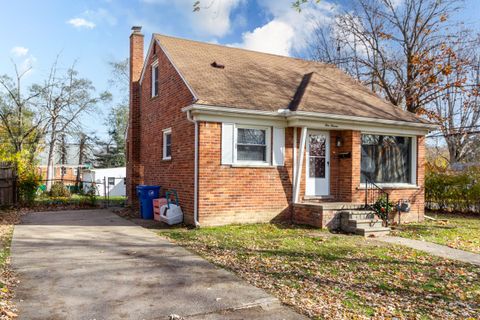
[(435, 249), (93, 264)]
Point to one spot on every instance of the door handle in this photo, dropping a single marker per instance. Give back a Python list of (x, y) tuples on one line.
[(328, 163)]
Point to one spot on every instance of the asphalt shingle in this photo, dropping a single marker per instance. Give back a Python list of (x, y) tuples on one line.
[(261, 81)]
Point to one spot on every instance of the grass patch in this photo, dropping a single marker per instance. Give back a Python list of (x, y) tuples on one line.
[(8, 218), (6, 241), (76, 200), (339, 277), (460, 232)]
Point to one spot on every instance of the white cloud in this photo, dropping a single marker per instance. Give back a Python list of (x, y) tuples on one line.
[(101, 15), (19, 51), (275, 37), (287, 30), (81, 23), (213, 18), (23, 60)]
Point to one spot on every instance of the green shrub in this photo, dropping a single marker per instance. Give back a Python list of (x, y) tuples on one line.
[(382, 207), (28, 177), (91, 194), (58, 190), (453, 191)]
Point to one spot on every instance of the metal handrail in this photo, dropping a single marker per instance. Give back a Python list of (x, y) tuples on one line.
[(382, 192)]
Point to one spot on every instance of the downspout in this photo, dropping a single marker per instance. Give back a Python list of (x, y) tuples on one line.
[(300, 163), (195, 172), (294, 163)]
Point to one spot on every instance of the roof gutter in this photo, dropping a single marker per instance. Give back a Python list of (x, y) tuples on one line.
[(304, 115), (367, 120), (203, 108)]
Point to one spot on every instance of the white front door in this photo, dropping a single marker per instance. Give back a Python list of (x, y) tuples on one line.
[(318, 163)]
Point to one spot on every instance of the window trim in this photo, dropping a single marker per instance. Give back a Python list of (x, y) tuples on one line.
[(268, 145), (413, 184), (152, 83), (166, 132)]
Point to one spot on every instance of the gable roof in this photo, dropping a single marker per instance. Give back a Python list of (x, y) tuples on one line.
[(259, 81)]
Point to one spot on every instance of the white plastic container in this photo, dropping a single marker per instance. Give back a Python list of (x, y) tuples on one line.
[(172, 215)]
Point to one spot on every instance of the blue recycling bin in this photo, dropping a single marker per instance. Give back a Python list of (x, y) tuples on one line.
[(146, 194)]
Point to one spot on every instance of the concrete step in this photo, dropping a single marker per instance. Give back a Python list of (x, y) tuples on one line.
[(373, 232), (358, 214), (365, 223)]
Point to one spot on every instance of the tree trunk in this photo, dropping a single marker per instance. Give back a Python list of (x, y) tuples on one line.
[(50, 161)]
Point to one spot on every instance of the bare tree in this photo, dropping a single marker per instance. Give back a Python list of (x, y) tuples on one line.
[(86, 144), (64, 99), (394, 48), (458, 113), (112, 151), (21, 126)]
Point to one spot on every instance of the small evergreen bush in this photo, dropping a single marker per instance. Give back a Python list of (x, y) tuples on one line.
[(58, 190)]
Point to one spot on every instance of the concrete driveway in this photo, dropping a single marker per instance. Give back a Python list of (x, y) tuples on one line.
[(92, 264)]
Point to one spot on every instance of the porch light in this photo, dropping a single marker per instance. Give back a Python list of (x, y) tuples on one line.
[(339, 141)]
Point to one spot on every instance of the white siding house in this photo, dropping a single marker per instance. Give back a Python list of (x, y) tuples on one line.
[(109, 181)]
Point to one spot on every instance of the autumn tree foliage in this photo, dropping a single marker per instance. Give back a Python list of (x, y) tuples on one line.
[(395, 47), (416, 55), (457, 111)]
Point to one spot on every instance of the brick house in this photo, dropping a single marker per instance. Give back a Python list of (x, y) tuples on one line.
[(249, 137)]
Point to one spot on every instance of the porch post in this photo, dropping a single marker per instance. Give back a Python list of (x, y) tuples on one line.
[(298, 176)]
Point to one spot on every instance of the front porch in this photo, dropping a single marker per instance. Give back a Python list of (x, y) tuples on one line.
[(331, 169)]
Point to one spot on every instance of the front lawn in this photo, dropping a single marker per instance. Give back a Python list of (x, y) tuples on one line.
[(459, 231), (327, 276)]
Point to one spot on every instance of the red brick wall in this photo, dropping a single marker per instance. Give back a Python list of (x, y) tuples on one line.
[(230, 194), (343, 170), (155, 115), (311, 215), (416, 196)]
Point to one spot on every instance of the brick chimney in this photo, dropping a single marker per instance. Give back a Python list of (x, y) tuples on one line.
[(136, 53), (134, 167)]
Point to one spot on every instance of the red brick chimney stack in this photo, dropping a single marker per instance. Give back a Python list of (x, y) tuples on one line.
[(136, 53), (134, 168)]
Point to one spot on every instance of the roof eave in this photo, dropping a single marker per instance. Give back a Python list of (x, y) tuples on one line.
[(300, 118), (303, 115)]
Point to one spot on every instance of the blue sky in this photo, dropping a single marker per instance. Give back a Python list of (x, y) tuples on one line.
[(95, 32)]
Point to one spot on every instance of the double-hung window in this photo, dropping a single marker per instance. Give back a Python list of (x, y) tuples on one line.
[(388, 159), (167, 144), (252, 144), (155, 79)]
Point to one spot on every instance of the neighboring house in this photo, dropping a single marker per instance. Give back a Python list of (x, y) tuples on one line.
[(65, 166), (247, 137), (106, 181)]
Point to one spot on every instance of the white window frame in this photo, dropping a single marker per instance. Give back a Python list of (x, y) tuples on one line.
[(164, 144), (413, 163), (268, 143), (154, 65)]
